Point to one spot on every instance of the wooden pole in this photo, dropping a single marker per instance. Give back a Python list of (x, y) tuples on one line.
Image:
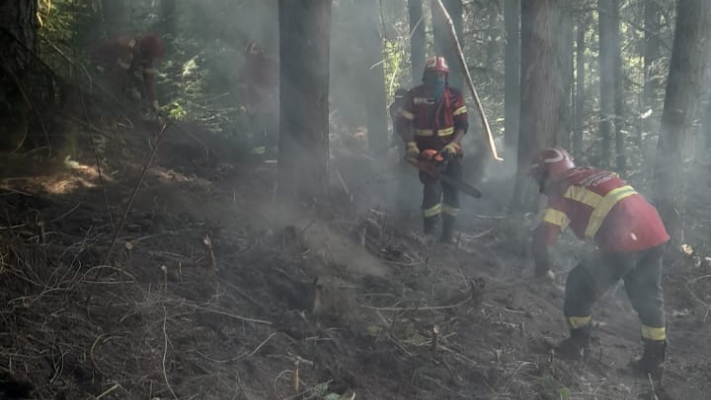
[(489, 136)]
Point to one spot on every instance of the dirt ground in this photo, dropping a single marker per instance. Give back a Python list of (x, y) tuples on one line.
[(216, 290)]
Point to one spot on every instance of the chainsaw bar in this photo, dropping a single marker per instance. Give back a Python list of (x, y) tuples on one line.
[(435, 173)]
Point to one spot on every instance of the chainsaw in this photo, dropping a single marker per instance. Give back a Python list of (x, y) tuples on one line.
[(433, 163)]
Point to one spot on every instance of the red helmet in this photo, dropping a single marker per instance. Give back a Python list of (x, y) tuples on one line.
[(551, 163), (151, 45), (436, 64)]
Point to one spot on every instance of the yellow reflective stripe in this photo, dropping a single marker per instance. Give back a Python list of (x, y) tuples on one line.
[(423, 132), (459, 111), (555, 217), (453, 211), (582, 195), (406, 114), (653, 333), (600, 212), (259, 150), (431, 212), (123, 64), (577, 322), (132, 43), (445, 131), (150, 71)]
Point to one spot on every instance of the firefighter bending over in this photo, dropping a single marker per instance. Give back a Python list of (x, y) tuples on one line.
[(123, 57), (629, 235), (433, 120)]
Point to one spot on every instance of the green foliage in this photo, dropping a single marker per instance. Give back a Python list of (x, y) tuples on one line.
[(551, 389)]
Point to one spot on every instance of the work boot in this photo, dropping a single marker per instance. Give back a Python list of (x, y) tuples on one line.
[(430, 229), (448, 222), (652, 361), (577, 346)]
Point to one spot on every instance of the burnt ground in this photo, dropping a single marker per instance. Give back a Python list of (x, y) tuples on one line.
[(214, 290)]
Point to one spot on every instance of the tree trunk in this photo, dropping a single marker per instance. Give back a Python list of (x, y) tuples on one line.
[(512, 72), (541, 92), (652, 57), (443, 43), (619, 99), (607, 78), (580, 88), (304, 27), (680, 115), (18, 32), (115, 17), (417, 39), (374, 78), (168, 17), (565, 62)]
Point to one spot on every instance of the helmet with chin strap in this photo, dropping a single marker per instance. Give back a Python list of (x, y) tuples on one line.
[(436, 64)]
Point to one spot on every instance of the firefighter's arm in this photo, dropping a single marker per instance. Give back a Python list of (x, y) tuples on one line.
[(552, 224)]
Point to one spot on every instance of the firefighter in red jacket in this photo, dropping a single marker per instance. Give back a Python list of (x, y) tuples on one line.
[(258, 85), (434, 117), (629, 235), (123, 57)]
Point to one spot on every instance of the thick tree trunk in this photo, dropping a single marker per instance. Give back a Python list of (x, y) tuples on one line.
[(374, 75), (652, 57), (492, 36), (619, 99), (512, 74), (565, 62), (115, 17), (304, 27), (541, 92), (168, 17), (607, 79), (443, 43), (680, 115), (18, 35), (579, 88), (417, 39)]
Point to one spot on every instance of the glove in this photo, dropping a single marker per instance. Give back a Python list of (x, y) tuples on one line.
[(412, 150), (450, 150), (545, 275), (155, 105)]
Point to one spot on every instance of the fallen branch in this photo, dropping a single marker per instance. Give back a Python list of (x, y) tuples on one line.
[(230, 315)]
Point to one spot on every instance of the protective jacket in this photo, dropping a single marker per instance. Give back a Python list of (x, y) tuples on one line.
[(434, 124), (259, 81), (600, 207)]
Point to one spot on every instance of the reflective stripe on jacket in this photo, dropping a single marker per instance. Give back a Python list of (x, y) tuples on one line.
[(599, 206)]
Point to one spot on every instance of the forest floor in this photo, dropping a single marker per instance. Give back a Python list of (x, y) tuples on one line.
[(214, 290)]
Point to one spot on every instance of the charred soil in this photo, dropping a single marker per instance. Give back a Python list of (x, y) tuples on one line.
[(215, 290)]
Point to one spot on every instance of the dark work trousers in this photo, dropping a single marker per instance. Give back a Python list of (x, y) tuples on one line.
[(438, 196), (641, 272)]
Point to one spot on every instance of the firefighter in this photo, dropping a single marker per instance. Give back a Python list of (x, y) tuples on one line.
[(434, 117), (629, 236), (123, 57), (258, 87)]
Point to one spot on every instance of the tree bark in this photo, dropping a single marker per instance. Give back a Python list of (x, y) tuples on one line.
[(607, 79), (168, 17), (541, 92), (512, 74), (565, 62), (18, 33), (115, 17), (374, 75), (417, 39), (680, 114), (304, 27), (619, 99), (580, 88), (443, 43)]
